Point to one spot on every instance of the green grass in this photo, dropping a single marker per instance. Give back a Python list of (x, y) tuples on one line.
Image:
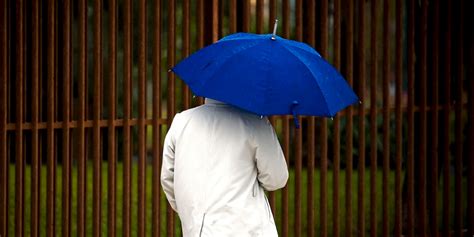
[(278, 214), (119, 182)]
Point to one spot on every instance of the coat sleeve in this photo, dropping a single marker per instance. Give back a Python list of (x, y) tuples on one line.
[(167, 167), (271, 164)]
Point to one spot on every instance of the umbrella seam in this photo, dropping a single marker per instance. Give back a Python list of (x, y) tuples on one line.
[(317, 83)]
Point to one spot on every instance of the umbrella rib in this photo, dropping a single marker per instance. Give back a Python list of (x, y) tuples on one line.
[(304, 47), (317, 83)]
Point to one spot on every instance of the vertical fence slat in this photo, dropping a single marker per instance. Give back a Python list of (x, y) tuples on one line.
[(35, 158), (215, 20), (272, 16), (324, 133), (386, 117), (286, 9), (200, 23), (141, 218), (51, 169), (285, 198), (271, 195), (336, 124), (373, 116), (445, 119), (96, 140), (349, 124), (422, 115), (298, 136), (171, 84), (434, 117), (246, 15), (286, 132), (233, 16), (310, 219), (470, 171), (398, 116), (4, 163), (66, 159), (186, 49), (156, 187), (298, 177), (324, 8), (127, 159), (221, 16), (271, 21), (458, 127), (410, 119), (361, 120), (112, 159), (19, 84), (259, 13), (310, 210), (81, 156)]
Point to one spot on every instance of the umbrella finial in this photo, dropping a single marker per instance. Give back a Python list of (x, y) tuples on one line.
[(275, 29)]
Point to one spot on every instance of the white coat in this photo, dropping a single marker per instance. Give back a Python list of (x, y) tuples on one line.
[(217, 162)]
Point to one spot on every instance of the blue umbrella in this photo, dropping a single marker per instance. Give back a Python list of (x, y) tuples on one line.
[(267, 75)]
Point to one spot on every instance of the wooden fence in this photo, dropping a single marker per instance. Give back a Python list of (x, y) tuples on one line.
[(86, 98)]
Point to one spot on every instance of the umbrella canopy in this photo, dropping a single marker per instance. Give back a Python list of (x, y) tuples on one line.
[(267, 75)]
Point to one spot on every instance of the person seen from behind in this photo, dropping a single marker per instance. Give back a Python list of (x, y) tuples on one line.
[(218, 161)]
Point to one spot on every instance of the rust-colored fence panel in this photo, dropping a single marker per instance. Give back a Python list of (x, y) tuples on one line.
[(86, 99)]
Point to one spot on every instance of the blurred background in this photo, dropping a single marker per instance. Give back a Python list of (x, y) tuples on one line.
[(86, 99)]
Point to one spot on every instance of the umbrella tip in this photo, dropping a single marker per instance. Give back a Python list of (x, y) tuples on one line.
[(275, 29)]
